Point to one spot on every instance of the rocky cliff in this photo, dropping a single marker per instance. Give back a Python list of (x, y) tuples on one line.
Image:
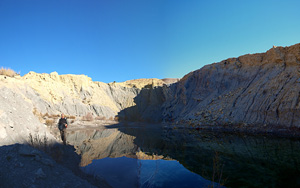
[(78, 94), (26, 100), (253, 89), (17, 120)]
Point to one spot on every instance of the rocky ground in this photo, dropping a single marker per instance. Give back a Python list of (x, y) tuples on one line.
[(25, 166)]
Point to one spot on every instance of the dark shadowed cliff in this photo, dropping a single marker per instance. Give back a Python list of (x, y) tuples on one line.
[(254, 89)]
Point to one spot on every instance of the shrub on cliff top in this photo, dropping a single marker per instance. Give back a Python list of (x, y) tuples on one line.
[(7, 72)]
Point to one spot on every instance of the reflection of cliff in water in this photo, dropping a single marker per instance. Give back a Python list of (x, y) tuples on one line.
[(276, 161), (98, 144)]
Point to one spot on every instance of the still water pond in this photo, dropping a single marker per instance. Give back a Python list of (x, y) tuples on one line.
[(143, 155)]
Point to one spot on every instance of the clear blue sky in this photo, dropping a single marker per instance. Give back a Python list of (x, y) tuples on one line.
[(118, 40)]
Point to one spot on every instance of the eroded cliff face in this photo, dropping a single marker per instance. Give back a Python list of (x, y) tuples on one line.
[(256, 89), (17, 118), (25, 99), (78, 94)]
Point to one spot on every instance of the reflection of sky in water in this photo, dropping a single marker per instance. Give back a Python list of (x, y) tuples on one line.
[(128, 172), (248, 161)]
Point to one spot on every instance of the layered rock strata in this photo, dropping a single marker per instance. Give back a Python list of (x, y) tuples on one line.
[(253, 89), (33, 97)]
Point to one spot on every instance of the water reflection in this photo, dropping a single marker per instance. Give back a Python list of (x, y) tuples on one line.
[(242, 161), (129, 172)]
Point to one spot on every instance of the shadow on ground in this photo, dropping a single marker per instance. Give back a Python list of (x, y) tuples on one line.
[(25, 166)]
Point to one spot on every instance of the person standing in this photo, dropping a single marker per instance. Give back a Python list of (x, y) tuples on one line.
[(62, 125)]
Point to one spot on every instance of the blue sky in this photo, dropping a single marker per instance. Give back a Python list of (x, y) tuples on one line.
[(118, 40)]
